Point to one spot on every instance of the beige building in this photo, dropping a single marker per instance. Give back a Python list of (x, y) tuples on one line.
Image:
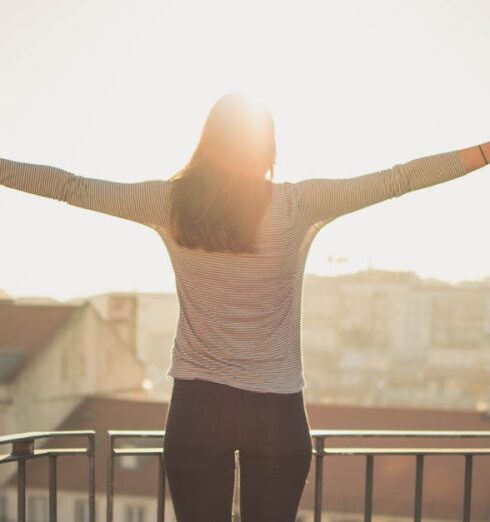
[(148, 321), (52, 356), (391, 338)]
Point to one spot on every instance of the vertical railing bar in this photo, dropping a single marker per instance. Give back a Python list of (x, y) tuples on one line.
[(368, 494), (53, 488), (91, 477), (319, 447), (161, 491), (164, 486), (110, 479), (23, 449), (21, 490), (419, 477), (467, 487)]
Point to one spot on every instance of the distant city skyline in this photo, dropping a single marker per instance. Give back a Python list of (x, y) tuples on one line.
[(40, 297), (118, 91)]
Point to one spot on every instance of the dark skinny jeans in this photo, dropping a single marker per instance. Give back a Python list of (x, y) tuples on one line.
[(206, 422)]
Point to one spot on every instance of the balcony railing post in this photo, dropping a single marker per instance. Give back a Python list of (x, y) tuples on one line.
[(110, 478), (91, 476), (419, 477), (21, 491), (318, 452), (368, 494), (22, 449), (467, 487), (52, 488), (161, 490)]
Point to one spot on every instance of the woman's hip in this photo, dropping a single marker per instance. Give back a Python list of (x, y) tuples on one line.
[(209, 415)]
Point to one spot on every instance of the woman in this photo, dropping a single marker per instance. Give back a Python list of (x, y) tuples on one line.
[(238, 243)]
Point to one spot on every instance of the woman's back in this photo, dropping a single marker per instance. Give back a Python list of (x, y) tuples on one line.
[(239, 321)]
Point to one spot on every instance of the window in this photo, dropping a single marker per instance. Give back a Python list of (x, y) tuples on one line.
[(81, 510), (134, 513), (10, 361), (37, 508)]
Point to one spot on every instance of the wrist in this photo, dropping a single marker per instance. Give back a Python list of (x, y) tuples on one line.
[(472, 158), (484, 149)]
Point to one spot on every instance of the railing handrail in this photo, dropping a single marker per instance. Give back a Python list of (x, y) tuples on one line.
[(399, 433), (340, 451), (321, 434), (135, 433), (34, 435)]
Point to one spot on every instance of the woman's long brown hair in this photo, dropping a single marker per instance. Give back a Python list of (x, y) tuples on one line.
[(219, 197)]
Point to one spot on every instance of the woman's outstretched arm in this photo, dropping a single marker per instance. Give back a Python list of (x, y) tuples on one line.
[(322, 200), (145, 202)]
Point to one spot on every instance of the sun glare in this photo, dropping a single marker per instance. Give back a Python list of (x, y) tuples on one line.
[(349, 89)]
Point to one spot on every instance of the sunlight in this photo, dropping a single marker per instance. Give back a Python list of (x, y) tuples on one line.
[(350, 90)]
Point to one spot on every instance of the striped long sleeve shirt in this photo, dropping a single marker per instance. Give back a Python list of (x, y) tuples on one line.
[(240, 315)]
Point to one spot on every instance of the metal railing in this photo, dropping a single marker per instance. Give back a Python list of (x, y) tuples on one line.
[(136, 451), (320, 452), (23, 449)]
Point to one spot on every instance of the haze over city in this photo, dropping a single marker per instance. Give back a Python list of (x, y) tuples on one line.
[(115, 91)]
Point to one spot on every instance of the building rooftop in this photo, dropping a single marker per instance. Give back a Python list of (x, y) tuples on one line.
[(24, 330)]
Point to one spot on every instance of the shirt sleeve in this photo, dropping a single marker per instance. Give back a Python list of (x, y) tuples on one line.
[(322, 200), (145, 202)]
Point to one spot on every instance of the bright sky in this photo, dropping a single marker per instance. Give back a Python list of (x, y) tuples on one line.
[(120, 89)]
